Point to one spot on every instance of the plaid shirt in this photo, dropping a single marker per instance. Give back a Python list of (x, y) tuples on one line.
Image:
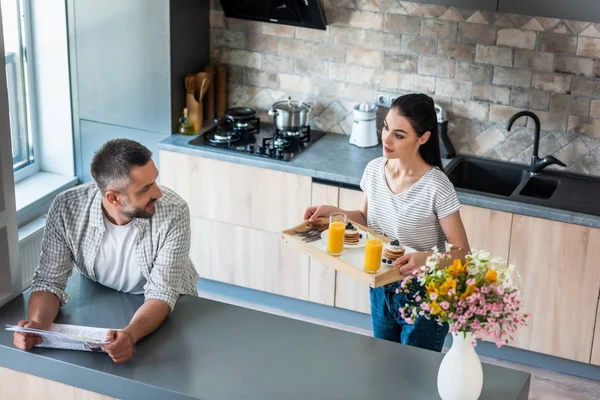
[(74, 230)]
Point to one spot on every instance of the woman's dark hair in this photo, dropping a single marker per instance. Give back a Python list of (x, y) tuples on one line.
[(420, 112)]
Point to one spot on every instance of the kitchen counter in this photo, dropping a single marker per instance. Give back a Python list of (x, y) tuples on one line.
[(333, 159), (211, 350)]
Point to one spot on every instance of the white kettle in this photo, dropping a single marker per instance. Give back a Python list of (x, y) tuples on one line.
[(364, 129)]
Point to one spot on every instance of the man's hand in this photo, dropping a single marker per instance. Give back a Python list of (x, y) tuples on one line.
[(411, 262), (27, 341), (120, 348)]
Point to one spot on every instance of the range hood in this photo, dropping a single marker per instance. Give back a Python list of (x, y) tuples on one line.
[(304, 13)]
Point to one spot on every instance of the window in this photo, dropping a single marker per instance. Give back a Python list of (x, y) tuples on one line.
[(16, 29)]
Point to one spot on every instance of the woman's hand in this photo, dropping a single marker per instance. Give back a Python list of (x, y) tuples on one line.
[(411, 263), (315, 212)]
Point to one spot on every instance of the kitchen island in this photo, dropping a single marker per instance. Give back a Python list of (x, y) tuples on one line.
[(211, 350)]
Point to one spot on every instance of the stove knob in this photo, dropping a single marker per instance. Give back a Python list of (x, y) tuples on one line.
[(268, 151), (250, 148), (259, 150), (278, 153)]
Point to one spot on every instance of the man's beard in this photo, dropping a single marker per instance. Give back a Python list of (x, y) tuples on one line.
[(139, 212)]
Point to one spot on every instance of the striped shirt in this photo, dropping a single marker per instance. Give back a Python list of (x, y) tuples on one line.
[(412, 216)]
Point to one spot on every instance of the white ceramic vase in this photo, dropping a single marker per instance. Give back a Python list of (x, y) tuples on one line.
[(460, 376)]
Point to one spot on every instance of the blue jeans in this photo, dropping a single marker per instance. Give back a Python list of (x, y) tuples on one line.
[(388, 325)]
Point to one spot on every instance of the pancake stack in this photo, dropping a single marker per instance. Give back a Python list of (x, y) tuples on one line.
[(352, 235), (392, 251)]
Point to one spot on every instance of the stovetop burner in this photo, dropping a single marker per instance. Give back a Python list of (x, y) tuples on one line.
[(256, 140)]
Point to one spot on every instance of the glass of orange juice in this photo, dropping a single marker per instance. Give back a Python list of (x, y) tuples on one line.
[(335, 236), (373, 252)]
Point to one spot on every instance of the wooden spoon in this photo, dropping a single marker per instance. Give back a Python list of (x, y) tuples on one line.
[(202, 84), (190, 83)]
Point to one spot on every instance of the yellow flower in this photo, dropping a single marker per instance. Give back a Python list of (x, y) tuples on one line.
[(469, 291), (491, 276), (435, 308), (431, 287), (446, 286), (456, 268)]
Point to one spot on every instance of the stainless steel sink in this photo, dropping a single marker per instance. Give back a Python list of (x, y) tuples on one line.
[(556, 189)]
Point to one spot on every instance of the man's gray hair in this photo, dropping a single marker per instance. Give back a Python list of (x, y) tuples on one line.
[(112, 163)]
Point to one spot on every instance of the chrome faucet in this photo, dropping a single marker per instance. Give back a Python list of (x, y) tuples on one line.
[(537, 163)]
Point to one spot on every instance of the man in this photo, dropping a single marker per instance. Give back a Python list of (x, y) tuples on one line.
[(123, 231)]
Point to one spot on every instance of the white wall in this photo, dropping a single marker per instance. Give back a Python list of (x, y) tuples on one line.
[(52, 81), (10, 279)]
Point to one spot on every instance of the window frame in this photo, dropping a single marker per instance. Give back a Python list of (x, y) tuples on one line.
[(29, 75)]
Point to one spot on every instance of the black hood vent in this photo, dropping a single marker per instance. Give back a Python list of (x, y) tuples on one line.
[(304, 13)]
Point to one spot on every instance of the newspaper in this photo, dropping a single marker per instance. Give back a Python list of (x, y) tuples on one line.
[(68, 337)]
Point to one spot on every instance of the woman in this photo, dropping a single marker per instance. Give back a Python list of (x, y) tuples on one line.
[(408, 197)]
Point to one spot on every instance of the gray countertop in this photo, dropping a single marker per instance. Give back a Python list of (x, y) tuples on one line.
[(335, 160), (210, 350)]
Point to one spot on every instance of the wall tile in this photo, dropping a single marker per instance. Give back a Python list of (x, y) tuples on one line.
[(470, 109), (556, 43), (477, 34), (588, 47), (329, 52), (294, 48), (595, 110), (515, 77), (564, 103), (402, 24), (501, 114), (383, 41), (529, 98), (517, 38), (439, 29), (364, 57), (552, 82), (416, 83), (400, 62), (366, 20), (245, 58), (535, 60), (586, 125), (347, 36), (492, 94), (456, 51), (478, 73), (434, 66), (494, 55), (419, 45), (453, 88), (574, 65)]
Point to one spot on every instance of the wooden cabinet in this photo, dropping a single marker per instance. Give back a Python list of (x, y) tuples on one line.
[(19, 385), (596, 345), (237, 194), (487, 229), (578, 10), (558, 263), (237, 215), (491, 5), (351, 294), (322, 278)]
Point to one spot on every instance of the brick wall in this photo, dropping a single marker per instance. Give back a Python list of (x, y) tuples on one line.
[(482, 66)]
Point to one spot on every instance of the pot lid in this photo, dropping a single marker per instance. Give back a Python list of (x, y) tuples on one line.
[(290, 105)]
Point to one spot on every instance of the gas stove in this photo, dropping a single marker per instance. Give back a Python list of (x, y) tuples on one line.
[(258, 140)]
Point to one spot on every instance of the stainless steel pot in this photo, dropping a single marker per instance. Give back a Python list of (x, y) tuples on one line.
[(290, 115)]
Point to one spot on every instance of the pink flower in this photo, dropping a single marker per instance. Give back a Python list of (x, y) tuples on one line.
[(445, 305), (425, 307), (471, 281), (409, 321), (397, 291), (433, 296), (485, 289), (418, 298), (500, 290)]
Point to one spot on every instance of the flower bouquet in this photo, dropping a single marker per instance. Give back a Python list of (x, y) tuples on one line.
[(479, 299)]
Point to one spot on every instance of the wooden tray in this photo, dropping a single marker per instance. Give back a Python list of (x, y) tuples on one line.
[(350, 262)]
